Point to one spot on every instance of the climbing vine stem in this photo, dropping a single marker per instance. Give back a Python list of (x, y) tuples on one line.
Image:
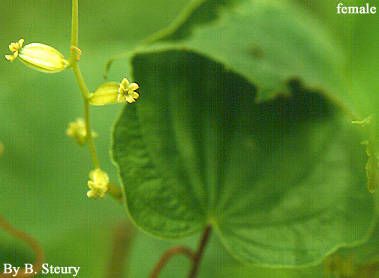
[(200, 252), (34, 245), (194, 257), (75, 52), (75, 56), (170, 253)]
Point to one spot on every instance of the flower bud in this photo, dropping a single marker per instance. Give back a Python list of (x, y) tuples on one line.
[(38, 56), (77, 130), (112, 93), (98, 184)]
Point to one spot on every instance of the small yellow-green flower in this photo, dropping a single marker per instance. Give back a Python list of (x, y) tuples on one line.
[(77, 130), (14, 47), (113, 92), (98, 184), (38, 56), (127, 91)]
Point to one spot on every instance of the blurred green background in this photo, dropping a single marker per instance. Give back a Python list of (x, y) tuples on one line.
[(43, 173)]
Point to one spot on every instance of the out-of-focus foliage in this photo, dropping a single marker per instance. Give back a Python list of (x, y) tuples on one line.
[(43, 174), (357, 37)]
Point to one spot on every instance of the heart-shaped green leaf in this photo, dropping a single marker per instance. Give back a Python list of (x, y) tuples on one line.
[(281, 182), (267, 42), (272, 42)]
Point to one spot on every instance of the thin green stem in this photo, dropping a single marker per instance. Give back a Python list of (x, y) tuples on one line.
[(90, 141), (75, 52), (114, 191), (80, 80), (75, 25)]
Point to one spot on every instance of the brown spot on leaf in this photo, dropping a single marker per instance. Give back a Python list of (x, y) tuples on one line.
[(257, 52)]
